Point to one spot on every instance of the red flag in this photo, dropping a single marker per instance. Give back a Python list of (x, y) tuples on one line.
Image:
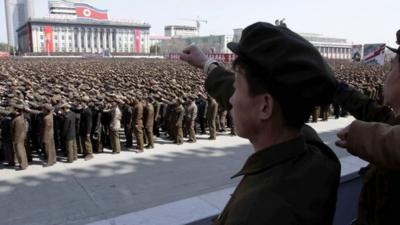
[(137, 41), (48, 34), (85, 11)]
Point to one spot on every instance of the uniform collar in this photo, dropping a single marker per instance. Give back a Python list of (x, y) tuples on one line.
[(271, 156)]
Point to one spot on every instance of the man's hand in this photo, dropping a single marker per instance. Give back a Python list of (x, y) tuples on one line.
[(342, 135), (194, 56)]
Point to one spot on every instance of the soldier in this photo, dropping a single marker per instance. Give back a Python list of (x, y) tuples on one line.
[(47, 136), (379, 180), (178, 121), (95, 134), (68, 132), (202, 113), (6, 138), (138, 124), (148, 118), (191, 116), (85, 129), (127, 124), (222, 119), (212, 111), (18, 133), (115, 126), (270, 105), (157, 116)]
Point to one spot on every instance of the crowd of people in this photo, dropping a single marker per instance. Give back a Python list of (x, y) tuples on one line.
[(77, 107)]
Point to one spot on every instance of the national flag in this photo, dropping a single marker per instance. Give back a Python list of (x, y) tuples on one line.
[(85, 11)]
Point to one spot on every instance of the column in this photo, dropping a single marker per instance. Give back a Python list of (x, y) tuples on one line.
[(79, 37), (110, 41), (85, 40), (73, 41), (92, 40), (66, 34), (104, 39), (34, 39), (98, 40), (116, 41)]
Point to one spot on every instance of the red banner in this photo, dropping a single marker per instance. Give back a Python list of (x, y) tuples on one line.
[(137, 41), (4, 54), (85, 11), (48, 33)]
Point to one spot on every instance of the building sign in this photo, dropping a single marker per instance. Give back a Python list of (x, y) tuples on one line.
[(85, 11), (374, 54), (138, 41), (48, 34)]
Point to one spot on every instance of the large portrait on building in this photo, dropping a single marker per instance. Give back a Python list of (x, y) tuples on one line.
[(374, 54), (356, 51)]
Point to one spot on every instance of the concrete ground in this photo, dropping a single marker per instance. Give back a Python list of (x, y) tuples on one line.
[(110, 186)]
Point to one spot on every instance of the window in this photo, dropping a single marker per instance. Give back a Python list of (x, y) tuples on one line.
[(41, 37), (55, 37)]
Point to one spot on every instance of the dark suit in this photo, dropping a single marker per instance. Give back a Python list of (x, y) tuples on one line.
[(84, 131), (68, 135)]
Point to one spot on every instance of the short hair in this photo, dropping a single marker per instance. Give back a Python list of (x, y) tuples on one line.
[(295, 113)]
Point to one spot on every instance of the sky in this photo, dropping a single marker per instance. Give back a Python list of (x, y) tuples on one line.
[(359, 21)]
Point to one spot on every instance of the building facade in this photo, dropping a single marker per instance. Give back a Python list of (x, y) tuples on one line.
[(180, 31), (331, 48), (71, 35), (17, 12)]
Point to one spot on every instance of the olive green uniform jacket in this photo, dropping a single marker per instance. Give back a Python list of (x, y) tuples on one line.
[(379, 201), (294, 182)]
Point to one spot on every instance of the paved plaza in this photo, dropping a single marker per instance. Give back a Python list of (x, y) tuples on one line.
[(168, 185)]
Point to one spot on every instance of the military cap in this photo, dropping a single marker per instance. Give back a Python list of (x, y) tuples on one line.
[(18, 105), (289, 66), (85, 98), (47, 107), (65, 105)]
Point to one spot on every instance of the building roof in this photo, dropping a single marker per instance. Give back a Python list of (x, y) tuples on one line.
[(180, 27), (85, 22)]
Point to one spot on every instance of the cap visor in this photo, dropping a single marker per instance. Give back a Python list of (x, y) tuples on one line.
[(397, 51), (234, 47)]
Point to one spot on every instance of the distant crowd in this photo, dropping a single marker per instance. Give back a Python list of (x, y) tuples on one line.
[(64, 109)]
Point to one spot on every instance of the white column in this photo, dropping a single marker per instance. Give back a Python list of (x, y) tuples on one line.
[(98, 41), (79, 40), (73, 41), (116, 41), (92, 40), (85, 40), (104, 39), (66, 34), (110, 42), (34, 40)]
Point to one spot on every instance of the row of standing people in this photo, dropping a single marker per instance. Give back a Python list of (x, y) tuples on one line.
[(87, 127)]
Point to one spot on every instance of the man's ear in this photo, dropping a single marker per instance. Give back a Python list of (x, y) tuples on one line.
[(266, 106)]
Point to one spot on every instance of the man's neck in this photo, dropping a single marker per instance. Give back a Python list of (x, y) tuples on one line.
[(270, 137)]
